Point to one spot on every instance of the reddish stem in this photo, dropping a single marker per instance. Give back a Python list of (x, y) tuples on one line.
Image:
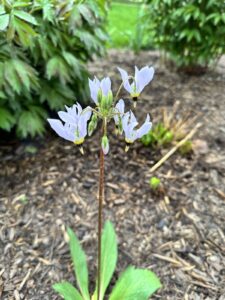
[(100, 199)]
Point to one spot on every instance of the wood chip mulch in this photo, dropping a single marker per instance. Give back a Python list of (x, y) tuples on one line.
[(179, 233)]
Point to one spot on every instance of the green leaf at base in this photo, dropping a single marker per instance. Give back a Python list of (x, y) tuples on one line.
[(79, 264), (108, 259), (135, 284), (67, 291)]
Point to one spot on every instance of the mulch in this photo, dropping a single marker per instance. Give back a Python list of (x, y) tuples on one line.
[(178, 232)]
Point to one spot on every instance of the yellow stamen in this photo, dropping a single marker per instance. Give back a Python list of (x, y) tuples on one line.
[(79, 142), (127, 148), (81, 150)]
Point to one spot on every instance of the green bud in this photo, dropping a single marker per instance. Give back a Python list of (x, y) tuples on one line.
[(93, 124), (110, 99), (154, 182), (120, 125), (105, 144), (107, 101), (99, 97)]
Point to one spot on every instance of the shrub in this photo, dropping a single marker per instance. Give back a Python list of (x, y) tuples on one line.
[(191, 31), (44, 48)]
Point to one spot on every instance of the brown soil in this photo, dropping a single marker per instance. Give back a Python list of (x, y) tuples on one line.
[(178, 233)]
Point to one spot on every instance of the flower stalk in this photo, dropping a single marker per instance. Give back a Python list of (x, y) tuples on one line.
[(100, 207)]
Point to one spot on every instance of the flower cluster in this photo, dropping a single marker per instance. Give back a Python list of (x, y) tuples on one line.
[(75, 127)]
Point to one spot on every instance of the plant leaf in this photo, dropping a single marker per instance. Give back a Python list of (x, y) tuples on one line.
[(25, 16), (4, 21), (67, 291), (135, 284), (31, 122), (79, 264), (108, 259), (6, 119)]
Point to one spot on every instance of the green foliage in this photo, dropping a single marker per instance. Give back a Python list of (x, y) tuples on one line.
[(67, 291), (108, 258), (133, 284), (158, 136), (44, 47), (79, 264), (154, 183), (191, 31)]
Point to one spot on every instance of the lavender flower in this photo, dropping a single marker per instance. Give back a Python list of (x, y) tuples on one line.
[(99, 88), (129, 122), (75, 121), (141, 79)]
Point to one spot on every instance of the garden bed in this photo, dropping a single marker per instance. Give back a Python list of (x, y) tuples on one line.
[(178, 233)]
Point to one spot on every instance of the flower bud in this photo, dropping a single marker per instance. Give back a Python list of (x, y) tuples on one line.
[(93, 124), (105, 144), (99, 97)]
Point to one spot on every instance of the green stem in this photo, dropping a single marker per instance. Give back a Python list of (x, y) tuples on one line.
[(100, 206)]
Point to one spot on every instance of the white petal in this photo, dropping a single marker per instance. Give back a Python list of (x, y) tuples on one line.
[(58, 127), (125, 79), (143, 77), (144, 129)]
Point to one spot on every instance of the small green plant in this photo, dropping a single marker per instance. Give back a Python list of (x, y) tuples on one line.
[(186, 148), (158, 136), (190, 31), (133, 284), (154, 183)]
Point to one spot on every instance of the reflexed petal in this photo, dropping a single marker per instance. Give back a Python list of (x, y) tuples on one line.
[(70, 131), (145, 128), (106, 86), (67, 117), (82, 129), (94, 88), (125, 79), (143, 77), (58, 127), (82, 123), (132, 118)]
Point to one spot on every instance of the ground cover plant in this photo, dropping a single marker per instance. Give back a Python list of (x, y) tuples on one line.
[(44, 48), (190, 32), (133, 284)]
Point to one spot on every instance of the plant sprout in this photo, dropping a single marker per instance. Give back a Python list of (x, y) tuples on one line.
[(74, 127)]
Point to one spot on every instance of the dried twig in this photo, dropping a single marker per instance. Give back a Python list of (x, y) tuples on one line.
[(177, 146)]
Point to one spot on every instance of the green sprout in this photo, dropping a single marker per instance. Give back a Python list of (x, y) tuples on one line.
[(158, 136), (154, 183), (186, 148)]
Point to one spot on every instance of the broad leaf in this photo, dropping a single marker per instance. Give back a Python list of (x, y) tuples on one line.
[(79, 264), (4, 21), (108, 259), (135, 284), (67, 291), (25, 16)]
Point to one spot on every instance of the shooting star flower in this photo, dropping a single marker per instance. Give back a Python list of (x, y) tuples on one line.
[(100, 88), (129, 122), (141, 79), (75, 121)]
